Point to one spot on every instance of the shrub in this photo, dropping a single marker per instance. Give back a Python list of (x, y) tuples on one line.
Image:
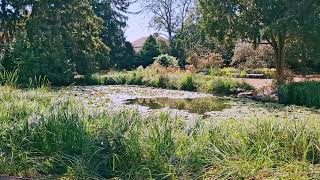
[(188, 84), (163, 81), (300, 93), (44, 56), (118, 79), (135, 79), (205, 59), (245, 56), (165, 60), (90, 79)]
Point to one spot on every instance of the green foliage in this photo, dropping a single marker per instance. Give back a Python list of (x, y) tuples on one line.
[(227, 85), (90, 79), (188, 84), (38, 83), (48, 44), (113, 13), (135, 79), (9, 78), (149, 51), (166, 61), (43, 55), (300, 93), (276, 22), (163, 82)]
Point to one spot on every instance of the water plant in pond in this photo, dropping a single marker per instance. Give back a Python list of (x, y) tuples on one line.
[(197, 105)]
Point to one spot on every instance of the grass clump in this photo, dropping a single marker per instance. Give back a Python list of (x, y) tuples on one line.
[(188, 84), (9, 78), (227, 85), (300, 93)]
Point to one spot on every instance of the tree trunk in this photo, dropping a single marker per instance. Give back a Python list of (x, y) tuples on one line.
[(278, 44)]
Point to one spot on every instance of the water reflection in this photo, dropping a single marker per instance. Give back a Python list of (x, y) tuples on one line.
[(198, 105)]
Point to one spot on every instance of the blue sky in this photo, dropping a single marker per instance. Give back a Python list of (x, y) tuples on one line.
[(137, 24)]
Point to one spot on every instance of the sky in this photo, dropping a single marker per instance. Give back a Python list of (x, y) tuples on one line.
[(137, 24)]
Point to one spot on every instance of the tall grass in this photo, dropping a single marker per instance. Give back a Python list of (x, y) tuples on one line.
[(45, 136), (227, 85), (301, 93), (9, 78)]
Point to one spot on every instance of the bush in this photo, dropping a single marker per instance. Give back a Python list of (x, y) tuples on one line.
[(90, 79), (165, 60), (135, 79), (115, 80), (44, 56), (163, 81), (245, 56), (9, 78), (300, 93), (188, 84), (205, 59)]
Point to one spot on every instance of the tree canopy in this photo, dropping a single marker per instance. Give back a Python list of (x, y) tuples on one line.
[(59, 39), (259, 21), (149, 51)]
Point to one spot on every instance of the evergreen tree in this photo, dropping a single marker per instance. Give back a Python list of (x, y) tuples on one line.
[(113, 13), (149, 51), (61, 37)]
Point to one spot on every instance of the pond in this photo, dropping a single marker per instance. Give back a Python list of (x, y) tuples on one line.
[(184, 104), (198, 105)]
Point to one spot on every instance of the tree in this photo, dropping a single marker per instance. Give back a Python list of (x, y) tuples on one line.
[(12, 15), (192, 40), (272, 22), (59, 39), (168, 15), (149, 51), (113, 12)]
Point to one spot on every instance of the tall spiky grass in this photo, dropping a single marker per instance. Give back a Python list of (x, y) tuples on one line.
[(300, 93), (8, 78), (40, 82)]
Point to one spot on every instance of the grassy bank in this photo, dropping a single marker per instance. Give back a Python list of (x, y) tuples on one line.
[(168, 79), (48, 135)]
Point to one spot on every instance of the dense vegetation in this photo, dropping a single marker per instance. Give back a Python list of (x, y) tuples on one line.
[(169, 78), (49, 135), (59, 39), (301, 93)]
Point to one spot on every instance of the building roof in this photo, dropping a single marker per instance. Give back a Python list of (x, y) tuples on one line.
[(138, 44)]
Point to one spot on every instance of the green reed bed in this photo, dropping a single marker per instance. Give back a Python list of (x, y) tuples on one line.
[(301, 93)]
